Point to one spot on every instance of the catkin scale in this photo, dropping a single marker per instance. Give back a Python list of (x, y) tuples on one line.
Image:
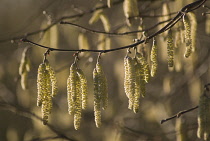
[(154, 63), (170, 49), (188, 39), (203, 118)]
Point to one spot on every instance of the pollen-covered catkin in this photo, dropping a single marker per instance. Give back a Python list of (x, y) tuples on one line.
[(52, 79), (83, 87), (181, 129), (129, 79), (193, 23), (97, 99), (203, 131), (154, 61), (137, 86), (170, 49), (102, 86), (44, 97), (78, 103), (71, 88), (188, 39)]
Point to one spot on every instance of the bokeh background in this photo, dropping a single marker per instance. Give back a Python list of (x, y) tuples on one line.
[(171, 91)]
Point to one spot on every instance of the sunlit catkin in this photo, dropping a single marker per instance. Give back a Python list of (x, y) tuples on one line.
[(170, 49), (44, 97), (77, 103), (129, 79), (203, 118), (95, 17), (137, 86), (83, 87), (83, 43), (105, 22), (188, 39), (193, 23), (130, 8), (52, 79), (97, 99), (102, 86), (71, 88), (154, 61), (109, 3), (24, 83), (146, 70), (41, 83)]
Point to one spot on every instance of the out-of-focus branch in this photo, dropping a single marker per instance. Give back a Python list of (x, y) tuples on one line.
[(26, 113), (45, 138)]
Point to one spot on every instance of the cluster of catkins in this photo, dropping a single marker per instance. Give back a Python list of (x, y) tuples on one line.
[(137, 74), (76, 93), (47, 88)]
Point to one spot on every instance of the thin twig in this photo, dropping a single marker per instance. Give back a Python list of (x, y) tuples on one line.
[(178, 114)]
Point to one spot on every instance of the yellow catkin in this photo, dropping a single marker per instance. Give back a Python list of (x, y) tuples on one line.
[(52, 79), (97, 99), (129, 79), (78, 103), (154, 61), (130, 8), (193, 22), (142, 60), (104, 42), (44, 97), (105, 22), (83, 88), (170, 49), (95, 17), (137, 86), (188, 39), (181, 129), (41, 83), (47, 99), (203, 118), (71, 89)]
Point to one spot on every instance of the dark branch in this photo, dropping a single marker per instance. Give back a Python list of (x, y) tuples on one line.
[(178, 114)]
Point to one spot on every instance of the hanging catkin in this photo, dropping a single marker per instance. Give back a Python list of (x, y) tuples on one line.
[(153, 57), (71, 88), (193, 23), (83, 87), (188, 39), (129, 79), (170, 49), (100, 92), (52, 78), (44, 97), (203, 131)]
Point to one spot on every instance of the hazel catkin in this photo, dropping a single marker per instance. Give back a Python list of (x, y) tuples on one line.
[(188, 39), (154, 61), (170, 49)]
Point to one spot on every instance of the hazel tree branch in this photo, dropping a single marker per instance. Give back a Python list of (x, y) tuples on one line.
[(28, 114), (190, 7)]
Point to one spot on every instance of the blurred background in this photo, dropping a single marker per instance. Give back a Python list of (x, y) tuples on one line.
[(170, 91)]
